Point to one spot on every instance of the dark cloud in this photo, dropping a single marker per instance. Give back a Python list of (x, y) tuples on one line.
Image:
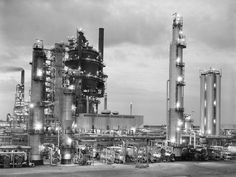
[(53, 20)]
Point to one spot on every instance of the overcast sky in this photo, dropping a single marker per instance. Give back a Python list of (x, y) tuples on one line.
[(137, 38)]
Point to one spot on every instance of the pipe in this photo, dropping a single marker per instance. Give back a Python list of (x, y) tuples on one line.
[(101, 41)]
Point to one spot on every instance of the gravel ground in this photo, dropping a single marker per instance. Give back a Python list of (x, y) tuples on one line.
[(174, 169)]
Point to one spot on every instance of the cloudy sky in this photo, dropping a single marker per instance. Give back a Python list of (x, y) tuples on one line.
[(137, 38)]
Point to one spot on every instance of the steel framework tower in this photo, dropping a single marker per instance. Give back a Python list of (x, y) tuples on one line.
[(175, 90), (210, 102)]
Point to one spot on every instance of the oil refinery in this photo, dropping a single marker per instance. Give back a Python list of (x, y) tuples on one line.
[(61, 123)]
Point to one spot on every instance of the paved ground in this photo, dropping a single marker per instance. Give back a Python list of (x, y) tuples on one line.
[(174, 169)]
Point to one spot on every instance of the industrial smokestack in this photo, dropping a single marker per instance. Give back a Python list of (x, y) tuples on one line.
[(101, 41), (105, 101), (131, 108), (22, 77)]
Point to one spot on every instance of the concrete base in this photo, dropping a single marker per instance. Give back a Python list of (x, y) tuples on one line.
[(37, 162), (65, 161), (173, 133)]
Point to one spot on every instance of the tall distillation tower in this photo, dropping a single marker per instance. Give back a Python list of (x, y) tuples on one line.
[(175, 86), (36, 119)]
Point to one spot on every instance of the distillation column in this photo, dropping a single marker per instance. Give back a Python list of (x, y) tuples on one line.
[(210, 102), (175, 105), (64, 93), (36, 105), (67, 125), (59, 52)]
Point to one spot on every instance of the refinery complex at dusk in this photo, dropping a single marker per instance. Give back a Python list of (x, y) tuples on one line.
[(63, 113)]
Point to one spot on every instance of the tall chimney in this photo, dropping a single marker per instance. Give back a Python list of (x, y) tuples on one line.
[(105, 101), (22, 77), (101, 41), (131, 108)]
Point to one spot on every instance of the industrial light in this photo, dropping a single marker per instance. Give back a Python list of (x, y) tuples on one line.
[(69, 140), (214, 121), (178, 129), (180, 79), (209, 131), (38, 126), (31, 105), (133, 129), (214, 103), (67, 156), (177, 105), (180, 122), (71, 87), (178, 59), (73, 107), (39, 73), (41, 147), (188, 118), (172, 140)]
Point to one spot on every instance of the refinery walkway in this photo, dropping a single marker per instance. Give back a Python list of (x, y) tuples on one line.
[(175, 169)]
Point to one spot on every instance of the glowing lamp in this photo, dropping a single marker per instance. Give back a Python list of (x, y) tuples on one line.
[(69, 140), (31, 105), (39, 73), (172, 140), (180, 79), (38, 126)]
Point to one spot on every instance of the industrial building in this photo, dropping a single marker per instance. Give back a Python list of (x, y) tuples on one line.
[(175, 84), (67, 82), (210, 102)]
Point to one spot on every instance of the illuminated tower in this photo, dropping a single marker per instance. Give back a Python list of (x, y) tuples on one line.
[(175, 97), (210, 96), (36, 119)]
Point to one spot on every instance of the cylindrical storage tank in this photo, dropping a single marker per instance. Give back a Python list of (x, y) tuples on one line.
[(209, 103), (202, 103), (218, 103)]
